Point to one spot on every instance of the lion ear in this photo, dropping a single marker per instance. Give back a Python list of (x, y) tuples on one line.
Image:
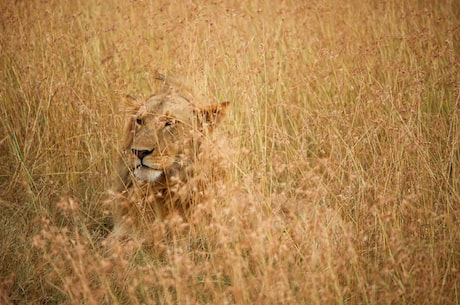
[(213, 114), (130, 101)]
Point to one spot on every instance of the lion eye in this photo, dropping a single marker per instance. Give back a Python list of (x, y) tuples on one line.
[(170, 123), (139, 121)]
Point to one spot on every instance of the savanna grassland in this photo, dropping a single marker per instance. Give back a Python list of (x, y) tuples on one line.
[(343, 172)]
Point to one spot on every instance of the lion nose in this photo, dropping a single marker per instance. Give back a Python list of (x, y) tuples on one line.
[(141, 153)]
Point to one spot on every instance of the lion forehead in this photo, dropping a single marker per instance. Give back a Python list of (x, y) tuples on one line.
[(171, 105)]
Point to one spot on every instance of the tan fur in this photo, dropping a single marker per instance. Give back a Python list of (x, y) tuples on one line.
[(160, 156)]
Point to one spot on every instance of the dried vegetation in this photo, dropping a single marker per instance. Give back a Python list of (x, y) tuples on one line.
[(343, 180)]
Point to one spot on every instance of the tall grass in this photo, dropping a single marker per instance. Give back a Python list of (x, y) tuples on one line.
[(343, 184)]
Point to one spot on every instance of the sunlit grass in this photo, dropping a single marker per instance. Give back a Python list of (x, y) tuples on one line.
[(342, 181)]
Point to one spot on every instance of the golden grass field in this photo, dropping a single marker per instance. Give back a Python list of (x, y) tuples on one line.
[(343, 177)]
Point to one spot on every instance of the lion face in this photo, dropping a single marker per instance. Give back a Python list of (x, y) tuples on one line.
[(163, 135), (163, 128)]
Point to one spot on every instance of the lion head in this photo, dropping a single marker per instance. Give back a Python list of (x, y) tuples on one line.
[(161, 145), (163, 136)]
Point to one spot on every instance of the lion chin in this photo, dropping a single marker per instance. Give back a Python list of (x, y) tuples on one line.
[(146, 174)]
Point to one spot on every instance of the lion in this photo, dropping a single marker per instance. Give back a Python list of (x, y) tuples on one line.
[(158, 170)]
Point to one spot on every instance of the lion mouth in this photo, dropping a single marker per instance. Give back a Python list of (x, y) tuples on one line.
[(146, 173), (141, 165)]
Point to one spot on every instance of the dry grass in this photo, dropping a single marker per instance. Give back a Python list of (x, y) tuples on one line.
[(345, 181)]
